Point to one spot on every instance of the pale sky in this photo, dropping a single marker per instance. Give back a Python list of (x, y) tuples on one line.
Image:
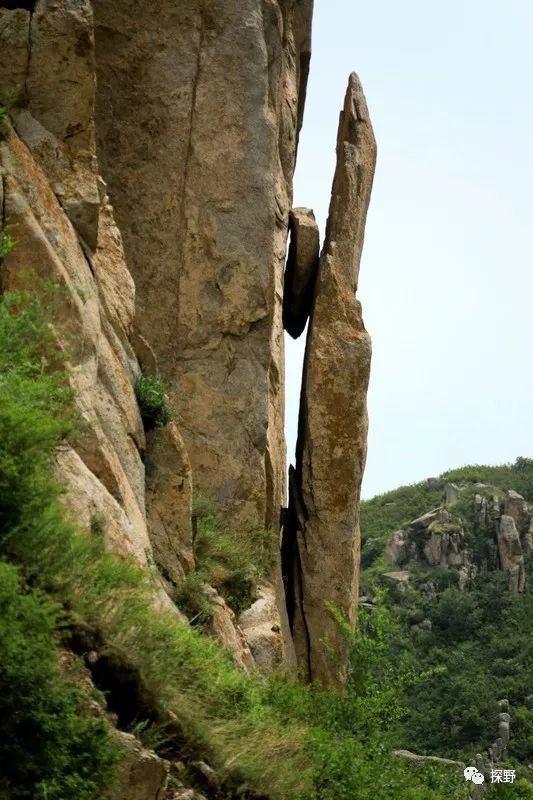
[(446, 279)]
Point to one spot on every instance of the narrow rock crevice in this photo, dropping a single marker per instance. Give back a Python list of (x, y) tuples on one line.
[(13, 5), (183, 218)]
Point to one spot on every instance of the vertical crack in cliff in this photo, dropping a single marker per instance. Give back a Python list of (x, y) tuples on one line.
[(30, 6), (189, 150), (293, 530)]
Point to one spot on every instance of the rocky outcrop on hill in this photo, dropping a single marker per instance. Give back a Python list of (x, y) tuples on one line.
[(321, 537), (492, 532)]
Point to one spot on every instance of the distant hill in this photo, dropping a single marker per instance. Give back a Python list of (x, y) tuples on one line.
[(453, 555)]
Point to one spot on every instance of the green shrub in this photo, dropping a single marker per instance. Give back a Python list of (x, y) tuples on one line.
[(232, 561), (7, 242), (3, 122), (371, 550), (47, 748), (193, 599), (521, 744), (156, 410)]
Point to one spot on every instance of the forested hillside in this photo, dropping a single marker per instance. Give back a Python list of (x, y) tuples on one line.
[(464, 636)]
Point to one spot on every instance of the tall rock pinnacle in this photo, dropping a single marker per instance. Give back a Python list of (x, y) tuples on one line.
[(321, 543)]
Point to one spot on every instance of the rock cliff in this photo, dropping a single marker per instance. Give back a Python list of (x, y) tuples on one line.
[(147, 167), (198, 113)]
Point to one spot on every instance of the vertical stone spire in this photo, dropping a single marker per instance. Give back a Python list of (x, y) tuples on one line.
[(321, 544)]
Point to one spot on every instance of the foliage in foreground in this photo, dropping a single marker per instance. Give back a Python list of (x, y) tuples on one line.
[(275, 738), (47, 748)]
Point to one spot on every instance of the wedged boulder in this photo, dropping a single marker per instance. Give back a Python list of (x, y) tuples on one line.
[(321, 548), (301, 270)]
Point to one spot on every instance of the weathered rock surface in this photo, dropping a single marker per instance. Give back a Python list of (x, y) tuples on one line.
[(14, 53), (102, 367), (442, 537), (451, 494), (199, 108), (224, 627), (66, 235), (321, 539), (169, 502), (58, 121), (261, 627), (397, 548), (511, 555), (141, 775), (301, 270)]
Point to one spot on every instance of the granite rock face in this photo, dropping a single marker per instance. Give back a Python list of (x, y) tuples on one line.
[(53, 196), (321, 537), (169, 503), (198, 112), (142, 775), (511, 555)]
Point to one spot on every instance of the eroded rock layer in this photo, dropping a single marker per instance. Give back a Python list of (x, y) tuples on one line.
[(321, 537), (199, 108)]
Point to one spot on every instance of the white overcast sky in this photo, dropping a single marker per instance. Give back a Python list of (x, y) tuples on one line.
[(446, 279)]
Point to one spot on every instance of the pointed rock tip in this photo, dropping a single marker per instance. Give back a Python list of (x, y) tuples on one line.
[(355, 101)]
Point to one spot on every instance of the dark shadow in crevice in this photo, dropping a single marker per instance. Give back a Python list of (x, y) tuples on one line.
[(25, 5), (122, 685)]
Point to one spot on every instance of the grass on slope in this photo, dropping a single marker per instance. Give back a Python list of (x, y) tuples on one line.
[(274, 738)]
